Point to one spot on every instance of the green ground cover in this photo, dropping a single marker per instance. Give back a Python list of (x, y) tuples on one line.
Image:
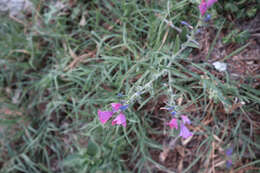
[(64, 62)]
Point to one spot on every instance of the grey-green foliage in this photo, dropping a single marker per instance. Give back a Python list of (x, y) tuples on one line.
[(132, 51)]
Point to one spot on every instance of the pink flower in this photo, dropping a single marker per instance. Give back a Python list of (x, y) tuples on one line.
[(205, 5), (185, 119), (173, 123), (104, 116), (185, 133), (120, 119), (115, 106), (210, 3)]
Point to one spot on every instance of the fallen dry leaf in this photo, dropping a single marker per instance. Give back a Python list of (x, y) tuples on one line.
[(78, 59)]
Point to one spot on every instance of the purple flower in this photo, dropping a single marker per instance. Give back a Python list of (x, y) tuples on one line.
[(173, 113), (210, 3), (229, 163), (205, 5), (120, 119), (170, 108), (120, 95), (207, 18), (198, 31), (104, 116), (185, 119), (122, 108), (229, 151), (185, 133), (186, 24), (173, 123), (115, 106)]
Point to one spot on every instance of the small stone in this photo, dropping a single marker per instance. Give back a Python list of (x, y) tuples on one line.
[(250, 62), (220, 66), (16, 7)]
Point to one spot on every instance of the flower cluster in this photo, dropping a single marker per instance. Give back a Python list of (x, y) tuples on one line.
[(104, 116), (184, 131), (229, 153), (205, 5)]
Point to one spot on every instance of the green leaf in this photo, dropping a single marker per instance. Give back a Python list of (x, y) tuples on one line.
[(231, 7), (176, 44), (92, 148), (192, 45), (251, 12)]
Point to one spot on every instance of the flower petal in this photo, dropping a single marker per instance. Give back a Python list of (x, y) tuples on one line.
[(120, 95), (170, 108), (173, 113), (185, 133), (210, 3), (173, 123), (115, 106), (120, 119), (229, 151), (104, 116), (185, 119), (207, 18), (203, 7), (228, 163), (122, 108)]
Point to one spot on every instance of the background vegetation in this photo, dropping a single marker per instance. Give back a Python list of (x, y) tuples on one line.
[(69, 58)]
